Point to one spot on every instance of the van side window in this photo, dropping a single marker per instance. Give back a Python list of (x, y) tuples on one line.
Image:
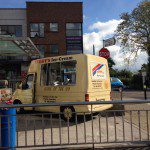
[(68, 72), (59, 73), (43, 74), (54, 74), (30, 81)]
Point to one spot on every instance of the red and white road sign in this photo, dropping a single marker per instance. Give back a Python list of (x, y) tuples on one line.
[(104, 52)]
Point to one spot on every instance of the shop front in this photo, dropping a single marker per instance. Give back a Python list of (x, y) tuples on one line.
[(15, 57)]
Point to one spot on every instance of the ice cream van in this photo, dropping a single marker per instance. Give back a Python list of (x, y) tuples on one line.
[(70, 78)]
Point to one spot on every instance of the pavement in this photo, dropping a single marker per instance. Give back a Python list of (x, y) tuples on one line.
[(111, 130), (136, 95)]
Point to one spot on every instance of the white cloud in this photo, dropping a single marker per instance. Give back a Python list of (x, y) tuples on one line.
[(84, 17), (103, 30)]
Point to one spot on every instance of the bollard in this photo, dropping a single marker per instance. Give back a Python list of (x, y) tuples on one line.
[(145, 95), (8, 129)]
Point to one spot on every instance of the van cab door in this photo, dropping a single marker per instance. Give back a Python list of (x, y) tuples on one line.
[(28, 89)]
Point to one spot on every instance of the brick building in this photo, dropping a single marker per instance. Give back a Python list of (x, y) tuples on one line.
[(54, 27)]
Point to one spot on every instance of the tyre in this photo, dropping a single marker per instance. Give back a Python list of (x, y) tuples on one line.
[(68, 113), (18, 110)]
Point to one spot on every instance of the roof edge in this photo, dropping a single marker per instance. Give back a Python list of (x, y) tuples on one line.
[(50, 2), (12, 8)]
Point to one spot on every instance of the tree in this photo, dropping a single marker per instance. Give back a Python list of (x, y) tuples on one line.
[(144, 67), (134, 30), (111, 63), (125, 73)]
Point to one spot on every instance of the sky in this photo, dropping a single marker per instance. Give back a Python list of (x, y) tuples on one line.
[(100, 20)]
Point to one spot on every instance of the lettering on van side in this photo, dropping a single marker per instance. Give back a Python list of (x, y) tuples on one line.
[(49, 98), (49, 60), (97, 84), (57, 89)]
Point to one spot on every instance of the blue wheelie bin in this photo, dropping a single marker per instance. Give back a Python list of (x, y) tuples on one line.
[(8, 128)]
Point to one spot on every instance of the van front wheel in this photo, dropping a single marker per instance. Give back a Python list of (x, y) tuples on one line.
[(68, 113)]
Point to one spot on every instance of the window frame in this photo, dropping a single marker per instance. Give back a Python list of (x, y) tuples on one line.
[(51, 49), (26, 82), (37, 31), (37, 45), (53, 23), (75, 29), (15, 30), (60, 65), (41, 74)]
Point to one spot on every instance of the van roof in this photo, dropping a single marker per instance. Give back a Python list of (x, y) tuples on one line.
[(35, 63)]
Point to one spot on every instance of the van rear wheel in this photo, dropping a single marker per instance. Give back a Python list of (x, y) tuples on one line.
[(18, 110), (68, 113)]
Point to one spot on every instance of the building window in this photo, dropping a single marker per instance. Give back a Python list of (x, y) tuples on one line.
[(74, 49), (74, 45), (54, 49), (18, 31), (41, 48), (13, 30), (37, 30), (54, 27), (73, 29), (74, 40)]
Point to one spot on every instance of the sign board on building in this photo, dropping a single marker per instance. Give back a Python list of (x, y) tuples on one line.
[(104, 52), (109, 42)]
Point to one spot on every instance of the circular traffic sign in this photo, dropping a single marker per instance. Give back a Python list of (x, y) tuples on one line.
[(104, 52)]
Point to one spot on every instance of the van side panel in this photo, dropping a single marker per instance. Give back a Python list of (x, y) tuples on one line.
[(98, 81), (65, 93)]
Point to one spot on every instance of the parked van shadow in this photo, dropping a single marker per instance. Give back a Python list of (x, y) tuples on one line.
[(41, 120)]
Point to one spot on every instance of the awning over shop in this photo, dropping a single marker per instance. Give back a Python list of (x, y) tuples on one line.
[(14, 46)]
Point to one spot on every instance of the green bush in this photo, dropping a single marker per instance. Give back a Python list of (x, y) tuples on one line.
[(136, 82), (126, 81), (129, 80)]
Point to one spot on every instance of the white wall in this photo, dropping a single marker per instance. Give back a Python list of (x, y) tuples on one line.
[(14, 16)]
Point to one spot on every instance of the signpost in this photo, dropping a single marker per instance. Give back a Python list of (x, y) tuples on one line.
[(109, 42), (104, 52), (93, 50)]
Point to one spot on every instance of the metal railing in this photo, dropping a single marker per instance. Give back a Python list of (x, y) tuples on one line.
[(116, 95), (130, 125)]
